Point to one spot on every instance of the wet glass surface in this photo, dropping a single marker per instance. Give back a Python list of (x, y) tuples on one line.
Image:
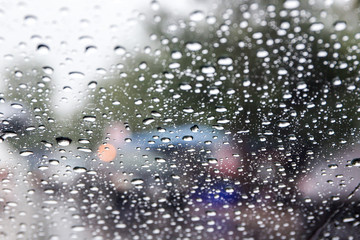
[(179, 120)]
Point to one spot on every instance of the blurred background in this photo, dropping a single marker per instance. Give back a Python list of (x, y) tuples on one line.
[(179, 120)]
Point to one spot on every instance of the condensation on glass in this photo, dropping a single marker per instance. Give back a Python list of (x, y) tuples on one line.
[(179, 120)]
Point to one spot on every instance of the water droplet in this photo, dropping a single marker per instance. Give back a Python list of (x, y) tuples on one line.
[(185, 86), (148, 121), (137, 181), (301, 85), (8, 134), (26, 153), (188, 110), (262, 54), (16, 105), (317, 26), (79, 169), (78, 228), (89, 118), (221, 109), (336, 81), (84, 149), (355, 162), (225, 61), (160, 160), (291, 4), (120, 225), (208, 70), (63, 141), (193, 46), (90, 50), (283, 124), (43, 49), (119, 50), (92, 84), (176, 55), (333, 166), (30, 20), (48, 70), (194, 128), (197, 16), (138, 102), (340, 25), (76, 75), (187, 138), (214, 91)]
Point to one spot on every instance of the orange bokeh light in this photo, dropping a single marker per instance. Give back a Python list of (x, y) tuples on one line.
[(106, 152)]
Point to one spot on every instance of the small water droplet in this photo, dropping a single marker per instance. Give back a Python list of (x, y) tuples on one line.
[(43, 49), (76, 75), (119, 50), (63, 141), (92, 84), (262, 54), (137, 181), (283, 124), (225, 61), (340, 25), (316, 26), (187, 138), (148, 121), (291, 4), (176, 55), (26, 153), (185, 86), (355, 162), (208, 70), (197, 16), (194, 128), (79, 169), (193, 46), (89, 118), (30, 20), (16, 106)]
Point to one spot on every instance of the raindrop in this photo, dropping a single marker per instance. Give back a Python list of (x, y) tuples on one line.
[(317, 26), (187, 138), (176, 55), (30, 20), (336, 81), (208, 70), (283, 124), (355, 162), (137, 181), (26, 153), (148, 121), (119, 50), (197, 16), (138, 102), (16, 106), (92, 84), (225, 61), (193, 46), (79, 169), (291, 4), (43, 49), (76, 75), (340, 25), (89, 118), (160, 160), (194, 128), (185, 86), (63, 141), (262, 54)]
